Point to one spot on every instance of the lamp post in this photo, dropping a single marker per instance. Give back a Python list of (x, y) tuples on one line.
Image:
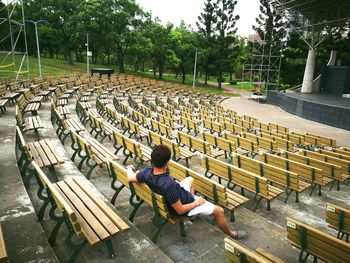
[(195, 68), (37, 40)]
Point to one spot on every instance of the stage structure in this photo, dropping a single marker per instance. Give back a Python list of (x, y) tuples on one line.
[(13, 42), (312, 20), (263, 68)]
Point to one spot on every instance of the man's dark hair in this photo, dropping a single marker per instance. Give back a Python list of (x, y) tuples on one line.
[(160, 155)]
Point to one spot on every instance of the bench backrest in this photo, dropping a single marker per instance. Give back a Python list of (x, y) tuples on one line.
[(160, 127), (213, 126), (128, 144), (338, 218), (345, 164), (307, 172), (262, 142), (273, 173), (329, 169), (242, 142), (19, 117), (22, 102), (231, 173), (194, 143), (236, 252), (317, 243)]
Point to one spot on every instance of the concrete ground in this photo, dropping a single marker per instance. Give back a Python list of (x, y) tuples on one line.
[(26, 238)]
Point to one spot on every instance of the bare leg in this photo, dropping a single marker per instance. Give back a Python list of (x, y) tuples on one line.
[(187, 183), (221, 221)]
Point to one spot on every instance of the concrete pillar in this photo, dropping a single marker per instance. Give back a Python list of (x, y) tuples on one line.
[(309, 72)]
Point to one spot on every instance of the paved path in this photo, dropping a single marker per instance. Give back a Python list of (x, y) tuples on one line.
[(269, 113)]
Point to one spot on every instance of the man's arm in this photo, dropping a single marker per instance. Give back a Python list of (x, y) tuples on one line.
[(181, 209)]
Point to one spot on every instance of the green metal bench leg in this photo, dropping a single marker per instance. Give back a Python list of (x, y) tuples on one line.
[(257, 202), (160, 226), (110, 249), (288, 193), (313, 186), (136, 205), (232, 216), (59, 221), (91, 168), (81, 162), (182, 229), (77, 247), (116, 189), (53, 172)]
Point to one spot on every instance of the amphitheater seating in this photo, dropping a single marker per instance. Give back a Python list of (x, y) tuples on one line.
[(140, 193), (191, 125), (87, 217), (236, 252), (3, 251), (316, 243), (339, 218), (196, 144), (308, 173), (25, 107), (133, 129), (289, 180), (3, 101), (178, 153), (332, 171), (245, 146), (220, 143), (246, 180)]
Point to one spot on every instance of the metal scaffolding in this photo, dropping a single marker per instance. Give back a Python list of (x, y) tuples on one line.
[(13, 42), (263, 67)]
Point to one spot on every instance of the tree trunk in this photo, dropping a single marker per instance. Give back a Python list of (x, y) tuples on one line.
[(120, 60), (108, 57), (160, 64), (206, 76), (219, 80), (183, 76)]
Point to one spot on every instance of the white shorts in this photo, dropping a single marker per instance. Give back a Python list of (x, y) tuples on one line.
[(205, 209)]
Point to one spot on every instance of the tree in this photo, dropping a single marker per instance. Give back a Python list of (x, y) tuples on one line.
[(225, 40), (206, 26), (183, 43)]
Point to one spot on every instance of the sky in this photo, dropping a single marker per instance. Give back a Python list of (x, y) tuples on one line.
[(188, 10)]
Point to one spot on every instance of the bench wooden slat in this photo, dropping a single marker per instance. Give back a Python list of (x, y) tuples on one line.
[(85, 213), (3, 251)]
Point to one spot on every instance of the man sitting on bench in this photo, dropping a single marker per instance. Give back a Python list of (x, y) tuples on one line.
[(179, 196)]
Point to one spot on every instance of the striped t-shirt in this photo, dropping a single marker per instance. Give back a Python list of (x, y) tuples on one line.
[(166, 186)]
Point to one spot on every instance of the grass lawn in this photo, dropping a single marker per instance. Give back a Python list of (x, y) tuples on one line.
[(57, 67)]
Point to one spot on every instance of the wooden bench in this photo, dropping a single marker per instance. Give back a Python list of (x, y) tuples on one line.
[(316, 243), (65, 126), (42, 152), (178, 153), (333, 154), (139, 118), (339, 218), (220, 143), (25, 107), (213, 126), (236, 252), (3, 100), (244, 146), (140, 153), (263, 143), (216, 193), (133, 129), (88, 219), (289, 180), (281, 142), (198, 145), (168, 122), (323, 141), (308, 173), (140, 193), (90, 150), (246, 180), (29, 123), (191, 125), (344, 164), (332, 171), (163, 129), (3, 251)]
